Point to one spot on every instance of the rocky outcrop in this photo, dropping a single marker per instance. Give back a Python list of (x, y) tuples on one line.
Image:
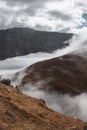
[(20, 112), (6, 81), (22, 41), (66, 74)]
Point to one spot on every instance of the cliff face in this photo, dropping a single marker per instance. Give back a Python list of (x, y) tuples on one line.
[(22, 41), (20, 112), (66, 74)]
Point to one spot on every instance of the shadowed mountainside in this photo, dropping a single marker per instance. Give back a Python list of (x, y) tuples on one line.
[(20, 112), (22, 41), (66, 74)]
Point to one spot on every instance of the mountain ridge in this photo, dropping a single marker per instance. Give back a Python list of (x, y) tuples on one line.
[(64, 74), (23, 41)]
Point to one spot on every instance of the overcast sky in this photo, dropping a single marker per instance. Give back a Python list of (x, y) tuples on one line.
[(50, 15)]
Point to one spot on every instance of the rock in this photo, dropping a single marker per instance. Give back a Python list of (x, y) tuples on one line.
[(43, 101), (74, 128), (85, 127), (6, 81)]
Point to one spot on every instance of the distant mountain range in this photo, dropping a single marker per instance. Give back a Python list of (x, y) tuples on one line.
[(22, 41)]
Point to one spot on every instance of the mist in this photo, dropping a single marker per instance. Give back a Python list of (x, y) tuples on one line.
[(74, 106)]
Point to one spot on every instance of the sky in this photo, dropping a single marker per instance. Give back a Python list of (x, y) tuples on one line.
[(49, 15)]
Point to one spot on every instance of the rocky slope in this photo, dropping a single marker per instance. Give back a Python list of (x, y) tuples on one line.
[(22, 41), (20, 112), (66, 74)]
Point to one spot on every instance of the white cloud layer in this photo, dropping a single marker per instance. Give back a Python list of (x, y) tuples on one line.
[(74, 106), (50, 15)]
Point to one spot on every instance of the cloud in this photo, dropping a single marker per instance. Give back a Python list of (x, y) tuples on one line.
[(60, 15), (50, 15)]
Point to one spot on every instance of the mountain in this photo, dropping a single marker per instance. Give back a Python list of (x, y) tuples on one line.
[(22, 41), (21, 112), (65, 74)]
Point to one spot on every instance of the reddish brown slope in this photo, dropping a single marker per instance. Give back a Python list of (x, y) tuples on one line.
[(20, 112), (66, 74)]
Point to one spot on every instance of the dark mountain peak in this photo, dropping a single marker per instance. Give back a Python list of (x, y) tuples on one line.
[(22, 41)]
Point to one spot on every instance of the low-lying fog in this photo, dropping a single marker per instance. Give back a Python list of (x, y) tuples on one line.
[(72, 106)]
